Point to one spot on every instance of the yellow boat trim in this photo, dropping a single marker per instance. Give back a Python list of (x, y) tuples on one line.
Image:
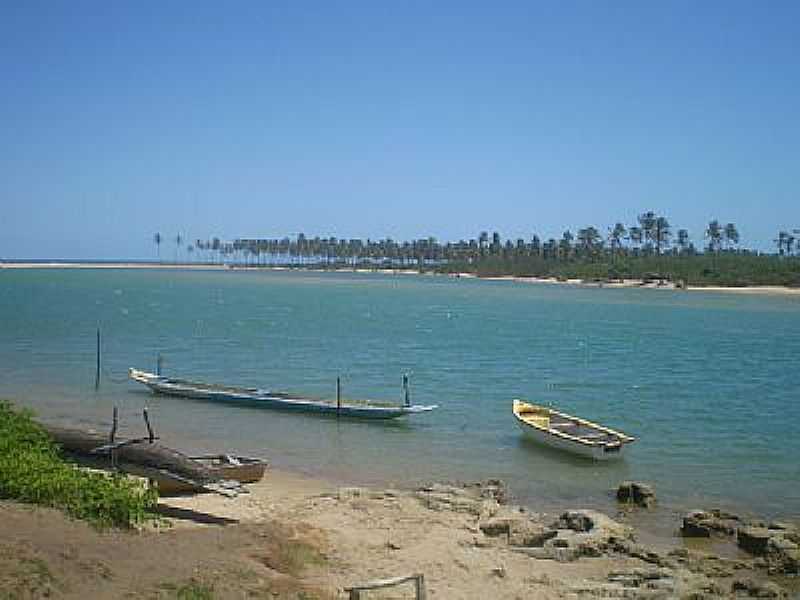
[(538, 416)]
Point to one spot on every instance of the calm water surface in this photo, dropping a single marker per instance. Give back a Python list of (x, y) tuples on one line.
[(708, 382)]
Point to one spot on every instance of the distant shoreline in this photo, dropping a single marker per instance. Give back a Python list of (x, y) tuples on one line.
[(626, 283)]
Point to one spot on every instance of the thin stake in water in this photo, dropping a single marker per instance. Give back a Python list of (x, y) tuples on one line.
[(338, 396), (97, 372)]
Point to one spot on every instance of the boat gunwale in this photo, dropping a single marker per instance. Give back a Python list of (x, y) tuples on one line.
[(162, 384), (623, 438)]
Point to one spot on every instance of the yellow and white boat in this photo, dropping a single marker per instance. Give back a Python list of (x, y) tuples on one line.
[(572, 434)]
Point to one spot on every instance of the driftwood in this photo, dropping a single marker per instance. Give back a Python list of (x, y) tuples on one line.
[(141, 456), (418, 579)]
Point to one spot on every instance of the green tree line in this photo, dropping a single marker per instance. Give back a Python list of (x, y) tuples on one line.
[(650, 247)]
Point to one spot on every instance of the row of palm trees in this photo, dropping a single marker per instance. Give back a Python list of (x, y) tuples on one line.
[(651, 234), (787, 243)]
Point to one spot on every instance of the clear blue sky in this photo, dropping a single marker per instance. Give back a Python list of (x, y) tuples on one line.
[(400, 119)]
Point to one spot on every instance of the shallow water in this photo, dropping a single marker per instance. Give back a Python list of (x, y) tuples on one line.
[(708, 382)]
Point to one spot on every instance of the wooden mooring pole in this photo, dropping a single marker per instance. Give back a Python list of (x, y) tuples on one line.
[(97, 371), (338, 396), (112, 438)]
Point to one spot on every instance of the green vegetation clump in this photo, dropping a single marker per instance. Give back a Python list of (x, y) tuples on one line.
[(194, 591), (724, 269), (32, 471)]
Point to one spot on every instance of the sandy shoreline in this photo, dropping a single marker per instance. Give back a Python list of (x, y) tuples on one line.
[(624, 284), (294, 537)]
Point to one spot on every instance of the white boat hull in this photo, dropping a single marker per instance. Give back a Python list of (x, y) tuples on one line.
[(561, 431), (593, 452)]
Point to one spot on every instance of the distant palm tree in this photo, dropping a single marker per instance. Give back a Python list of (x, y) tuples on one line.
[(589, 239), (615, 236), (647, 223), (635, 235), (731, 235), (781, 241), (714, 235), (483, 241), (157, 240), (661, 233), (683, 240), (565, 245)]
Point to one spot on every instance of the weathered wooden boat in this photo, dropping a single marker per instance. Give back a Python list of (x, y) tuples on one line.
[(172, 470), (266, 398), (225, 467), (566, 432)]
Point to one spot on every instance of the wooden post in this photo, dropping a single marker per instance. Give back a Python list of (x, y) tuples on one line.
[(113, 433), (97, 372), (111, 436), (338, 396), (419, 585), (150, 433)]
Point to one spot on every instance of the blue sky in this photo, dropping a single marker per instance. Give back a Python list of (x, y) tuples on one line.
[(399, 119)]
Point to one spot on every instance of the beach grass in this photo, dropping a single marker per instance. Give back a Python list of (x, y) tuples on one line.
[(31, 471)]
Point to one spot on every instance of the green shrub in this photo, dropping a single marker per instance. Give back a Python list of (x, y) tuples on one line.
[(32, 471)]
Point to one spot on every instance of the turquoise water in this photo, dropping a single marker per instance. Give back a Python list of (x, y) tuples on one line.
[(707, 382)]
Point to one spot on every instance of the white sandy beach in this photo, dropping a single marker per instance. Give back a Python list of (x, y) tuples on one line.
[(624, 284)]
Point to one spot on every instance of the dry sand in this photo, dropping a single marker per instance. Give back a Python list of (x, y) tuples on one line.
[(297, 537)]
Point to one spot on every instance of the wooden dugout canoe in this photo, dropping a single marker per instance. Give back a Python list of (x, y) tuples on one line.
[(269, 399), (572, 434), (223, 466)]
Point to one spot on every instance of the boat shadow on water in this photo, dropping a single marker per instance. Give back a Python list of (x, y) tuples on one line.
[(534, 450)]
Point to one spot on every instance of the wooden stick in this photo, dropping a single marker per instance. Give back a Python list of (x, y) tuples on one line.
[(338, 396), (112, 435), (418, 579), (149, 428), (97, 372)]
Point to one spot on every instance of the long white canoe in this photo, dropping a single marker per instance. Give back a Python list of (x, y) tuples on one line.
[(566, 432), (269, 399)]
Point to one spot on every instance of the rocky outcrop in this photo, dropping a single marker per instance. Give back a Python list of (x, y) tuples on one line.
[(695, 524), (702, 523), (783, 554), (634, 492), (442, 497), (779, 548), (575, 534), (651, 583), (753, 539), (527, 534), (757, 589), (491, 489)]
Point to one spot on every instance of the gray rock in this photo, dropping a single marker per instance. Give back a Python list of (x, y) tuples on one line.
[(634, 492), (529, 534), (753, 539), (757, 589), (575, 520), (695, 524), (783, 556), (495, 527)]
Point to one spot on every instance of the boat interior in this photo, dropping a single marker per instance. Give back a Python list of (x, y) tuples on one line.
[(543, 417)]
